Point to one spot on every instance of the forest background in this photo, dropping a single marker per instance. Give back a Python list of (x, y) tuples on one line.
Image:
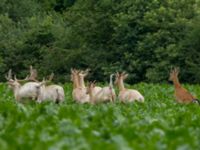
[(144, 38)]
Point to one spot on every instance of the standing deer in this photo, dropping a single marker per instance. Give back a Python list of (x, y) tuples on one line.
[(181, 94), (127, 95), (79, 92), (28, 90), (50, 92)]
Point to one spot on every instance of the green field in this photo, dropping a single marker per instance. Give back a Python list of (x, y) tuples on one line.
[(159, 123)]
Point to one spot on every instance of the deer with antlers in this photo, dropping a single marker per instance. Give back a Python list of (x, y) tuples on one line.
[(27, 90), (181, 94), (50, 92), (127, 95)]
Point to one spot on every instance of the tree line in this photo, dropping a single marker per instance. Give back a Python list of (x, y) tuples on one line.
[(144, 38)]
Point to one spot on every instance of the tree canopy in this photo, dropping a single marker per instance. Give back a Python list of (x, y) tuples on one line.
[(144, 38)]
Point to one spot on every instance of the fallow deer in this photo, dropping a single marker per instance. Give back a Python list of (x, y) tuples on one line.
[(27, 90), (104, 95), (82, 75), (50, 92), (78, 93), (127, 95)]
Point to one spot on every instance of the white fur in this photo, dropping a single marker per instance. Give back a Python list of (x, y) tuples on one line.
[(105, 94), (130, 95), (28, 90), (80, 95), (51, 92)]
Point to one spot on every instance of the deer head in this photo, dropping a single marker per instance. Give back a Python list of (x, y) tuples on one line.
[(174, 74), (120, 77)]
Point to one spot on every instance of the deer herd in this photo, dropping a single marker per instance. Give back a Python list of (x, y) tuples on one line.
[(39, 91)]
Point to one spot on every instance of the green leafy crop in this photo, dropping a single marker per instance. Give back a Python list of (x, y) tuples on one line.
[(159, 123)]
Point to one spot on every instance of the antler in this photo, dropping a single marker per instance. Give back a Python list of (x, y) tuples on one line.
[(32, 76), (175, 71)]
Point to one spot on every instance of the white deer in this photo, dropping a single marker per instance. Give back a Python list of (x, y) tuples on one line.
[(82, 75), (104, 95), (127, 95), (28, 90), (50, 92)]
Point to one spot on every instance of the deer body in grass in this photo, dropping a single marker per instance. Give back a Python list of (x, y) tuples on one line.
[(35, 89), (182, 95), (127, 95), (106, 94), (50, 92), (27, 90), (47, 92)]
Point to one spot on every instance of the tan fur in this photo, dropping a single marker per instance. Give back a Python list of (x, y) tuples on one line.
[(127, 95), (78, 93), (103, 95)]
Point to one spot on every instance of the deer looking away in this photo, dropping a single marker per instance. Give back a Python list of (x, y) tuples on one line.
[(27, 90), (104, 95), (82, 74), (79, 91), (181, 94), (127, 95)]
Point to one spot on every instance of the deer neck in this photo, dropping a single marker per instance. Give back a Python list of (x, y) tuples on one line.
[(81, 82), (176, 83), (121, 85), (76, 83)]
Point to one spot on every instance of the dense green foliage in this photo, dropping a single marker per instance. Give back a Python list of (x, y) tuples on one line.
[(142, 37), (159, 123)]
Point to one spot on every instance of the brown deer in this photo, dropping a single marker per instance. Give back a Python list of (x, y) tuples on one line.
[(181, 94)]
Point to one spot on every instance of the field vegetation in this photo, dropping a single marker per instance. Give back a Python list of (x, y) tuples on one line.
[(144, 38), (159, 123)]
